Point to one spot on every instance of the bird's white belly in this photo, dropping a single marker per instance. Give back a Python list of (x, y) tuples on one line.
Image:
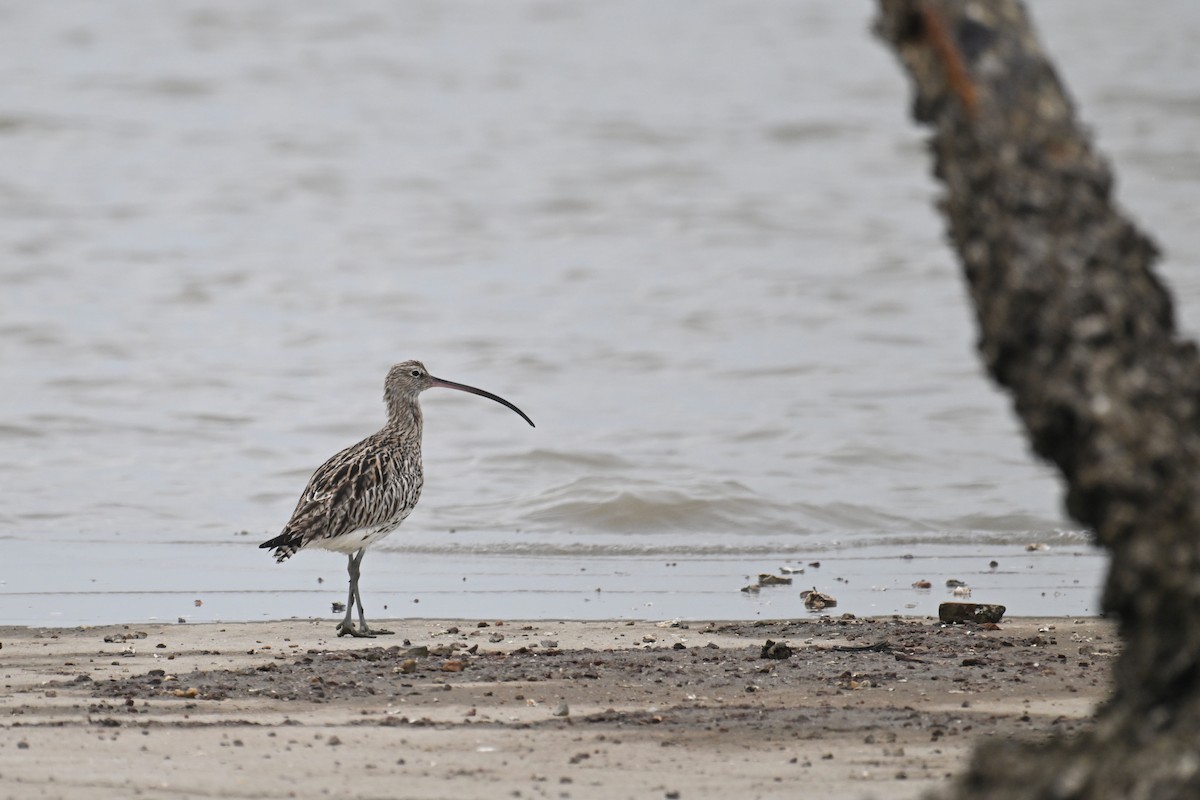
[(357, 539)]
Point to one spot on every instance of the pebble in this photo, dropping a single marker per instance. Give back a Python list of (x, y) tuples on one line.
[(815, 601)]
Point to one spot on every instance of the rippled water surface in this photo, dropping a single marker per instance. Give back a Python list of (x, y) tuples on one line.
[(693, 240)]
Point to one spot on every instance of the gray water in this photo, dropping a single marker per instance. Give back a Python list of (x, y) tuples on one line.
[(695, 241)]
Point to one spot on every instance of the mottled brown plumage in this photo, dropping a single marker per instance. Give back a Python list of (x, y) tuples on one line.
[(364, 492)]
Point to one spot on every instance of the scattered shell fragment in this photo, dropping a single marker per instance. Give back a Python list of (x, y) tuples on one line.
[(970, 612), (775, 650), (1037, 546), (961, 591), (815, 601)]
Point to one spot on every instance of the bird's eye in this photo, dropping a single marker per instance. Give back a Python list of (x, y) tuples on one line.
[(416, 373)]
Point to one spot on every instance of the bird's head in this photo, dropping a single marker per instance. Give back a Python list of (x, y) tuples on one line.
[(408, 379)]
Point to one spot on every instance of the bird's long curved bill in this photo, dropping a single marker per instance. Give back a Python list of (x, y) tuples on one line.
[(462, 387)]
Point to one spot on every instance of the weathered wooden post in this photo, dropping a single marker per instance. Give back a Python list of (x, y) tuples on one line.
[(1076, 325)]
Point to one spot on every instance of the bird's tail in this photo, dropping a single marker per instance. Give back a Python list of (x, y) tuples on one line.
[(286, 545)]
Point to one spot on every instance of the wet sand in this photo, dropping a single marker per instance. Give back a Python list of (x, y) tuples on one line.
[(860, 708)]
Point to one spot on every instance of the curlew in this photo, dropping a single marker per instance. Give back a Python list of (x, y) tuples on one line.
[(364, 492)]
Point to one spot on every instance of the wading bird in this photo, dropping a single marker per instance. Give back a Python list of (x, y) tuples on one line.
[(364, 492)]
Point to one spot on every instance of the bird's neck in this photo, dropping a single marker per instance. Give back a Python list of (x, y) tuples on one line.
[(405, 419)]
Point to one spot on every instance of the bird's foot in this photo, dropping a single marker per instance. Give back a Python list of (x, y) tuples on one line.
[(378, 632), (348, 629)]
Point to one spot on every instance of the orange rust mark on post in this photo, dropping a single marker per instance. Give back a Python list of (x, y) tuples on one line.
[(957, 77)]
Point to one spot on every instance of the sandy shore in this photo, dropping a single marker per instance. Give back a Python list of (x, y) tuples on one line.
[(862, 708)]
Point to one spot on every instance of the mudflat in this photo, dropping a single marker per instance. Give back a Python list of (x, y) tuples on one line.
[(830, 707)]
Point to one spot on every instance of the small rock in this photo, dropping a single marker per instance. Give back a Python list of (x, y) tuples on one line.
[(338, 607), (775, 650), (333, 741), (815, 601), (970, 612), (954, 583), (766, 579), (561, 710), (922, 584)]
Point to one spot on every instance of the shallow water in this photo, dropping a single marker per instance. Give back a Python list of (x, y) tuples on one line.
[(696, 244)]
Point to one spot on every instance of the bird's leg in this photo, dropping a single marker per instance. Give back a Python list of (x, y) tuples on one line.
[(355, 601), (362, 620), (346, 627)]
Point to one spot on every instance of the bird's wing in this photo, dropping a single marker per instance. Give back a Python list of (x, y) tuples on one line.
[(360, 487)]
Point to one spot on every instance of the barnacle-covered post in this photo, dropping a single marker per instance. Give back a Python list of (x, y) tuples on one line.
[(1074, 323)]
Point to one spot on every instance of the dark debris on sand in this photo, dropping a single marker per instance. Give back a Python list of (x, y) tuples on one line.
[(827, 655)]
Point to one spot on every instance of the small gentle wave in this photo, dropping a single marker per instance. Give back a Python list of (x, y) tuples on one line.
[(589, 545), (617, 505), (617, 508)]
